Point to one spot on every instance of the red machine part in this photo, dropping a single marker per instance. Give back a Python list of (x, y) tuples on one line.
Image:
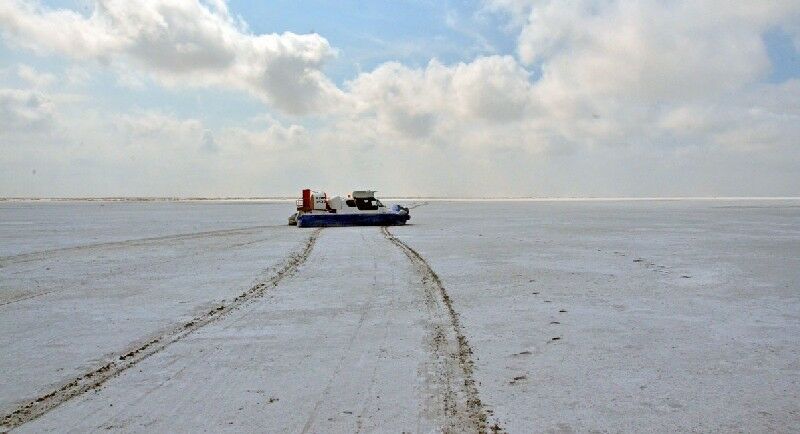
[(308, 205)]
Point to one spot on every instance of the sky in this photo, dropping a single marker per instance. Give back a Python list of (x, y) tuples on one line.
[(492, 98)]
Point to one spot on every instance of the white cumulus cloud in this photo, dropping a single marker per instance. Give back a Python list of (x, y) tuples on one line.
[(441, 103), (181, 42)]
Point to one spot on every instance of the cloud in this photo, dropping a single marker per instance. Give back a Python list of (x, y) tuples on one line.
[(650, 50), (516, 10), (24, 112), (35, 78), (691, 149), (152, 134), (154, 153), (620, 72), (77, 76), (181, 42), (419, 103), (606, 74), (208, 143), (600, 98), (264, 135)]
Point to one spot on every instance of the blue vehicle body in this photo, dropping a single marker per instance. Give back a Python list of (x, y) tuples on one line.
[(361, 219)]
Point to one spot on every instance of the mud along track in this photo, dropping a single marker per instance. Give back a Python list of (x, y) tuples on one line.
[(469, 415), (130, 357)]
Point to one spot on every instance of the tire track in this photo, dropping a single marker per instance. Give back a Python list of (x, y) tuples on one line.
[(460, 399), (29, 295), (44, 254), (130, 357)]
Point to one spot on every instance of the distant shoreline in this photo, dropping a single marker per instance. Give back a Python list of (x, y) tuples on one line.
[(425, 198)]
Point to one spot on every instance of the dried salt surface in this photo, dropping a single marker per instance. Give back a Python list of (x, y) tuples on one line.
[(71, 302), (639, 316), (625, 316), (44, 226), (343, 345)]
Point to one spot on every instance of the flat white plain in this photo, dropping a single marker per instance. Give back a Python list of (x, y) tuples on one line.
[(636, 316)]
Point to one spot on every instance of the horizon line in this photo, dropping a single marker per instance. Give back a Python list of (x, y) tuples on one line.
[(387, 197)]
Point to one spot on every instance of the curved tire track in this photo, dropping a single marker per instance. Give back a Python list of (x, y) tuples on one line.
[(459, 398), (29, 295), (44, 254), (130, 357)]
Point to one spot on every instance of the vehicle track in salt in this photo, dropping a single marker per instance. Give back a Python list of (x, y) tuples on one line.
[(45, 254), (30, 295), (130, 357), (458, 398)]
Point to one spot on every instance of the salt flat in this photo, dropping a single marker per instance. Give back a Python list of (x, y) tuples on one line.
[(645, 316), (670, 316)]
